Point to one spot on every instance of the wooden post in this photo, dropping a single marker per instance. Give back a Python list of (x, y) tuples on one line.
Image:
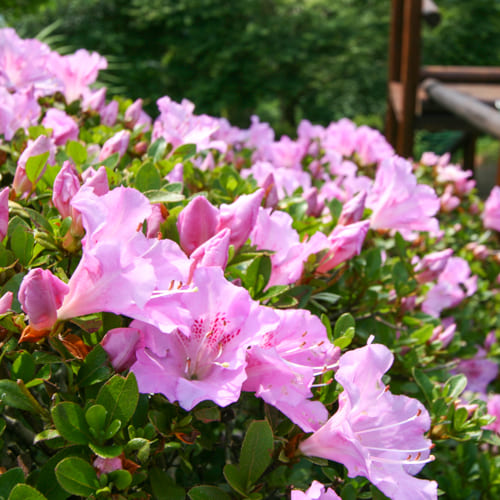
[(410, 69), (395, 35)]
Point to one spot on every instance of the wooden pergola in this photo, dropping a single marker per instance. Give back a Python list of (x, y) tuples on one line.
[(435, 97)]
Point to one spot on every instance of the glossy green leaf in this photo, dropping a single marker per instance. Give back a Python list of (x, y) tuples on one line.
[(343, 324), (77, 476), (12, 395), (76, 151), (121, 478), (23, 367), (164, 487), (119, 396), (256, 451), (147, 178), (25, 492), (21, 243), (157, 149), (69, 420), (235, 478), (94, 368), (34, 166), (9, 479)]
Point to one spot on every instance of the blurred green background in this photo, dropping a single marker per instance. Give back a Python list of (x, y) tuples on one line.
[(282, 59)]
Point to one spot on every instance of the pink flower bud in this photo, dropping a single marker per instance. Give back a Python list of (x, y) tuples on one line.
[(116, 144), (491, 214), (241, 217), (133, 113), (214, 252), (154, 221), (197, 223), (64, 128), (106, 465), (41, 294), (6, 302), (109, 114), (98, 181), (95, 100), (66, 185), (352, 211)]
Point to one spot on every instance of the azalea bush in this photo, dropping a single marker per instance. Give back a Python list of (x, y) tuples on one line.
[(193, 309)]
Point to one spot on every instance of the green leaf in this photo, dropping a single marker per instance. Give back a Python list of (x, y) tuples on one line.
[(256, 451), (422, 335), (119, 396), (77, 476), (460, 416), (25, 492), (164, 487), (9, 479), (76, 151), (46, 480), (401, 277), (121, 478), (111, 161), (257, 275), (21, 243), (46, 435), (106, 451), (345, 322), (235, 479), (207, 493), (345, 340), (184, 152), (159, 196), (96, 417), (424, 383), (330, 298), (94, 368), (69, 420), (34, 166), (157, 149), (12, 395), (147, 178), (454, 386), (23, 367)]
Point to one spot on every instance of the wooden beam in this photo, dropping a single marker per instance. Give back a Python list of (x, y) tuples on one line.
[(481, 116), (462, 74)]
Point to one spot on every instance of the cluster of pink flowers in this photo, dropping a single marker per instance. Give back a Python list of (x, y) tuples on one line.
[(195, 335)]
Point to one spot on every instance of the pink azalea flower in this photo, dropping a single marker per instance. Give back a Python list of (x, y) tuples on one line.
[(95, 99), (64, 128), (116, 144), (42, 144), (203, 355), (282, 367), (454, 284), (25, 64), (287, 153), (17, 110), (120, 267), (494, 411), (178, 125), (371, 146), (316, 491), (344, 243), (340, 137), (260, 136), (491, 214), (460, 179), (445, 332), (448, 201), (41, 294), (398, 202), (273, 231), (4, 212), (374, 433), (154, 221), (432, 265), (479, 371), (77, 71), (285, 180)]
